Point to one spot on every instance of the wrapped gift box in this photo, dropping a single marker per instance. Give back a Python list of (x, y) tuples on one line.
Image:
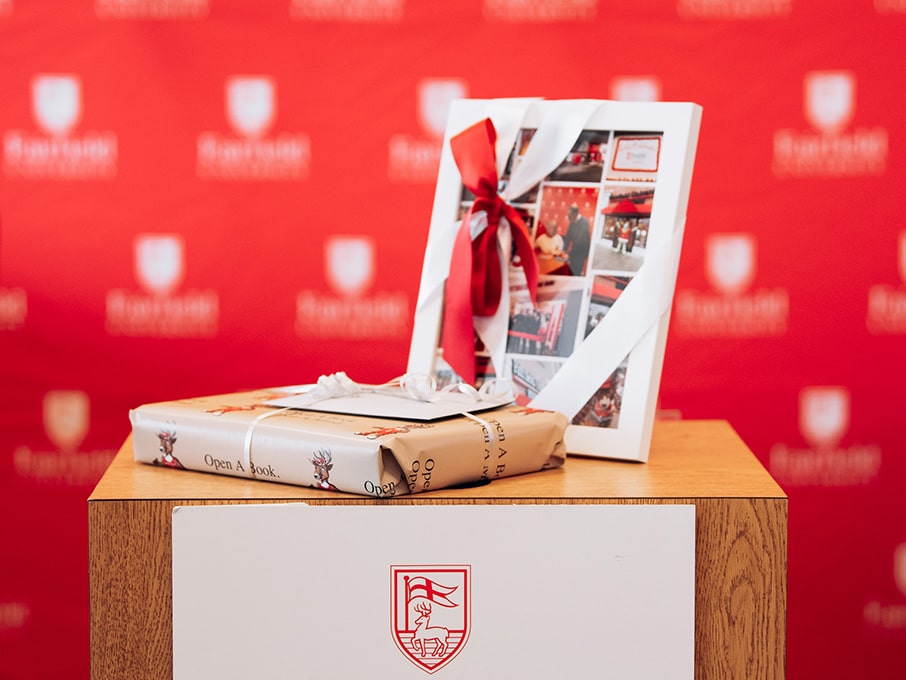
[(552, 258), (242, 435)]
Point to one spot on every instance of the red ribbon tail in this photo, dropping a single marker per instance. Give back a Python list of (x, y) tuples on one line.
[(487, 281), (458, 338), (524, 249)]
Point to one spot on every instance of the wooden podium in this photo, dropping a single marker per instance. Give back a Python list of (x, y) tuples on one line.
[(740, 547)]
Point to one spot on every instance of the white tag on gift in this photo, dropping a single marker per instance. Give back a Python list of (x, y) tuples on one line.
[(411, 397)]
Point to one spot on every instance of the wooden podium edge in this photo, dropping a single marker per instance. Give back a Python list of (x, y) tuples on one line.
[(740, 549)]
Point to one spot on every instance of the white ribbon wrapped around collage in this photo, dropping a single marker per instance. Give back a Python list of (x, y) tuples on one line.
[(638, 318)]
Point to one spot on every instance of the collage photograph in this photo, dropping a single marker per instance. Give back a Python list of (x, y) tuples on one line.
[(623, 237), (589, 222)]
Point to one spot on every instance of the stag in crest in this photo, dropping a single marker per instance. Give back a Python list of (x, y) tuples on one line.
[(424, 632)]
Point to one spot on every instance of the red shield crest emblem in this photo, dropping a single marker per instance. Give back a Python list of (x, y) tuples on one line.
[(430, 612)]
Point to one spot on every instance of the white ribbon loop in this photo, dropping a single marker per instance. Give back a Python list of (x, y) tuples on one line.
[(491, 390), (416, 386), (334, 385)]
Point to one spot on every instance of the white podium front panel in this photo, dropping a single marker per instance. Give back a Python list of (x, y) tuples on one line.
[(465, 591)]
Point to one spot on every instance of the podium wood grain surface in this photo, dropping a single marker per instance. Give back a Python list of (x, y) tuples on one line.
[(740, 550)]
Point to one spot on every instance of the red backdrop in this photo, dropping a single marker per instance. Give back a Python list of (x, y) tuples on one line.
[(183, 180)]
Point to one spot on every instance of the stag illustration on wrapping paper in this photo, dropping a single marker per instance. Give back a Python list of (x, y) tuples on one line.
[(167, 439), (323, 462)]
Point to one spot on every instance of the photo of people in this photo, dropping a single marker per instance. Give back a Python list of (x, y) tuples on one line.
[(523, 137), (527, 213), (548, 329), (530, 376), (571, 209), (604, 292), (624, 236), (549, 244), (603, 409), (589, 222), (636, 156), (585, 161), (549, 241), (467, 197), (444, 374)]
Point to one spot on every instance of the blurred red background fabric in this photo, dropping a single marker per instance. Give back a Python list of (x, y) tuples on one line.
[(200, 196)]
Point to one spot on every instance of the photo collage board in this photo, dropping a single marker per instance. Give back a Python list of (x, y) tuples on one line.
[(588, 221), (592, 344)]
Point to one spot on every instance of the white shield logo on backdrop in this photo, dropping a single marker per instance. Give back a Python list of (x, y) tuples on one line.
[(635, 89), (830, 98), (899, 567), (730, 262), (430, 612), (56, 103), (434, 97), (250, 103), (349, 264), (823, 415), (66, 419), (158, 263)]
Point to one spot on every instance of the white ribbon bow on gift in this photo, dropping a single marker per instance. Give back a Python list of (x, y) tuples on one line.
[(417, 386), (412, 386)]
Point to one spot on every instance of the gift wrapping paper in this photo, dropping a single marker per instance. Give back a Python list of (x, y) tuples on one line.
[(239, 435)]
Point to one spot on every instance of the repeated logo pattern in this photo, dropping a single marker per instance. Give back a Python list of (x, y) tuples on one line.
[(252, 152), (58, 150), (832, 148), (173, 10), (732, 309), (352, 11), (540, 11), (351, 309), (161, 309), (887, 302), (825, 414), (415, 158), (733, 9), (196, 195)]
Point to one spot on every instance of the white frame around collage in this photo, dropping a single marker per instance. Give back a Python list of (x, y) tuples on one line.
[(634, 329)]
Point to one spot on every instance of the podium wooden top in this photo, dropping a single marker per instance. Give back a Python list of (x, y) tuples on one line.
[(688, 460)]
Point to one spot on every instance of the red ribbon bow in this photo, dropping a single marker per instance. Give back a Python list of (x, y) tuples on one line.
[(474, 284)]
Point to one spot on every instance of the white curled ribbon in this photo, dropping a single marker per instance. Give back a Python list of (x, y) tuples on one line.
[(415, 386)]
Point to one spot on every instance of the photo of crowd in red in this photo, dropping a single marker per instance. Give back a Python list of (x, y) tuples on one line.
[(548, 328), (589, 221)]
